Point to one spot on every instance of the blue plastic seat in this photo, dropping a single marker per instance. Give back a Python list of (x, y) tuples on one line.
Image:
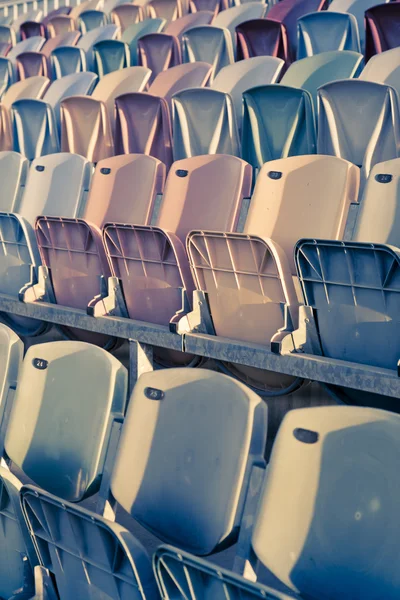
[(87, 41), (91, 19), (111, 55), (6, 74), (326, 31)]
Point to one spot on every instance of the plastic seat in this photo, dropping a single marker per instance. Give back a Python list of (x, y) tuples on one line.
[(315, 71), (134, 32), (158, 52), (125, 15), (109, 5), (87, 41), (205, 517), (215, 6), (288, 12), (76, 84), (91, 19), (61, 10), (60, 25), (32, 28), (143, 125), (32, 44), (365, 130), (8, 35), (151, 262), (13, 172), (4, 48), (326, 31), (381, 28), (384, 68), (33, 87), (204, 122), (35, 128), (234, 16), (6, 74), (30, 64), (64, 39), (111, 55), (176, 79), (30, 15), (278, 121), (239, 77), (356, 8), (170, 10), (248, 276), (212, 45), (67, 60), (6, 129), (262, 37), (78, 9), (324, 456), (180, 26)]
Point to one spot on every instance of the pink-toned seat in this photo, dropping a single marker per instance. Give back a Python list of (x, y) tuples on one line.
[(125, 15), (159, 52), (31, 29), (168, 83), (262, 37), (61, 24), (143, 125), (5, 48), (30, 64), (171, 10), (63, 39), (214, 6), (248, 277), (178, 27), (151, 262), (72, 248), (6, 129), (62, 10)]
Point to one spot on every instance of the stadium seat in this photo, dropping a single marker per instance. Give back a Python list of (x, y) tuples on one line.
[(158, 52), (278, 121), (364, 131), (262, 37), (215, 6), (134, 32), (32, 28), (60, 25), (212, 45), (8, 35), (326, 31), (67, 60), (29, 64), (33, 87), (4, 48), (180, 26), (248, 276), (32, 44), (203, 122), (384, 68), (111, 55), (6, 74), (313, 72), (87, 41), (197, 506), (170, 10), (64, 39), (181, 77), (30, 15), (381, 26), (6, 129), (234, 16), (13, 172), (241, 76), (204, 192), (91, 19), (143, 125), (126, 14), (61, 10), (356, 8), (83, 6)]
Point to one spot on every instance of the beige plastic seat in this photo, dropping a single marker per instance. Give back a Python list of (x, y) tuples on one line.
[(384, 68), (248, 277), (61, 24), (170, 10), (180, 26), (6, 129), (125, 15), (31, 88), (245, 74), (204, 122), (181, 77), (86, 128)]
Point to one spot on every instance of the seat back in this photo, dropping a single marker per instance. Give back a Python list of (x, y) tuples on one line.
[(30, 64), (204, 122), (212, 45), (356, 8), (383, 68), (31, 88), (32, 44), (234, 16), (60, 25), (6, 74), (4, 48), (111, 55), (61, 10), (326, 31), (67, 39), (278, 121), (67, 60), (32, 28), (143, 125), (35, 128), (6, 129), (168, 83), (13, 173), (91, 19), (364, 131), (125, 15), (381, 26), (262, 37), (85, 128), (315, 71), (181, 422), (80, 390), (77, 84), (180, 26), (170, 10), (288, 12), (8, 35), (135, 31), (245, 74), (328, 483), (158, 52), (88, 40)]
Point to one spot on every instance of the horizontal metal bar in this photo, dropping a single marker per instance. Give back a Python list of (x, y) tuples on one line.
[(307, 366), (155, 335)]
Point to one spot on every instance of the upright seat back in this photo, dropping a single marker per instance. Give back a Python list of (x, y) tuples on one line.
[(33, 87), (32, 44), (30, 64), (76, 84), (6, 74), (158, 52), (60, 25), (357, 8), (32, 28), (364, 131), (91, 19), (111, 55), (135, 31), (126, 14), (262, 37), (13, 173), (35, 128), (326, 31), (180, 26), (170, 10), (383, 68), (212, 45), (88, 40), (67, 60), (181, 77), (234, 16)]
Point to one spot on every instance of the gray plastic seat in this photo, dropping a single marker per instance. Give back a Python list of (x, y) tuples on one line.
[(364, 131), (134, 32), (13, 174), (356, 8), (111, 55), (87, 41), (203, 122), (6, 74), (232, 17), (8, 35), (384, 68), (278, 122), (326, 31), (67, 60), (210, 44), (245, 74), (32, 44), (313, 72), (76, 84), (194, 503)]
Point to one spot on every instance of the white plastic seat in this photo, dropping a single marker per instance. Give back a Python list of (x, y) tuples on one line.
[(13, 174), (384, 68)]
